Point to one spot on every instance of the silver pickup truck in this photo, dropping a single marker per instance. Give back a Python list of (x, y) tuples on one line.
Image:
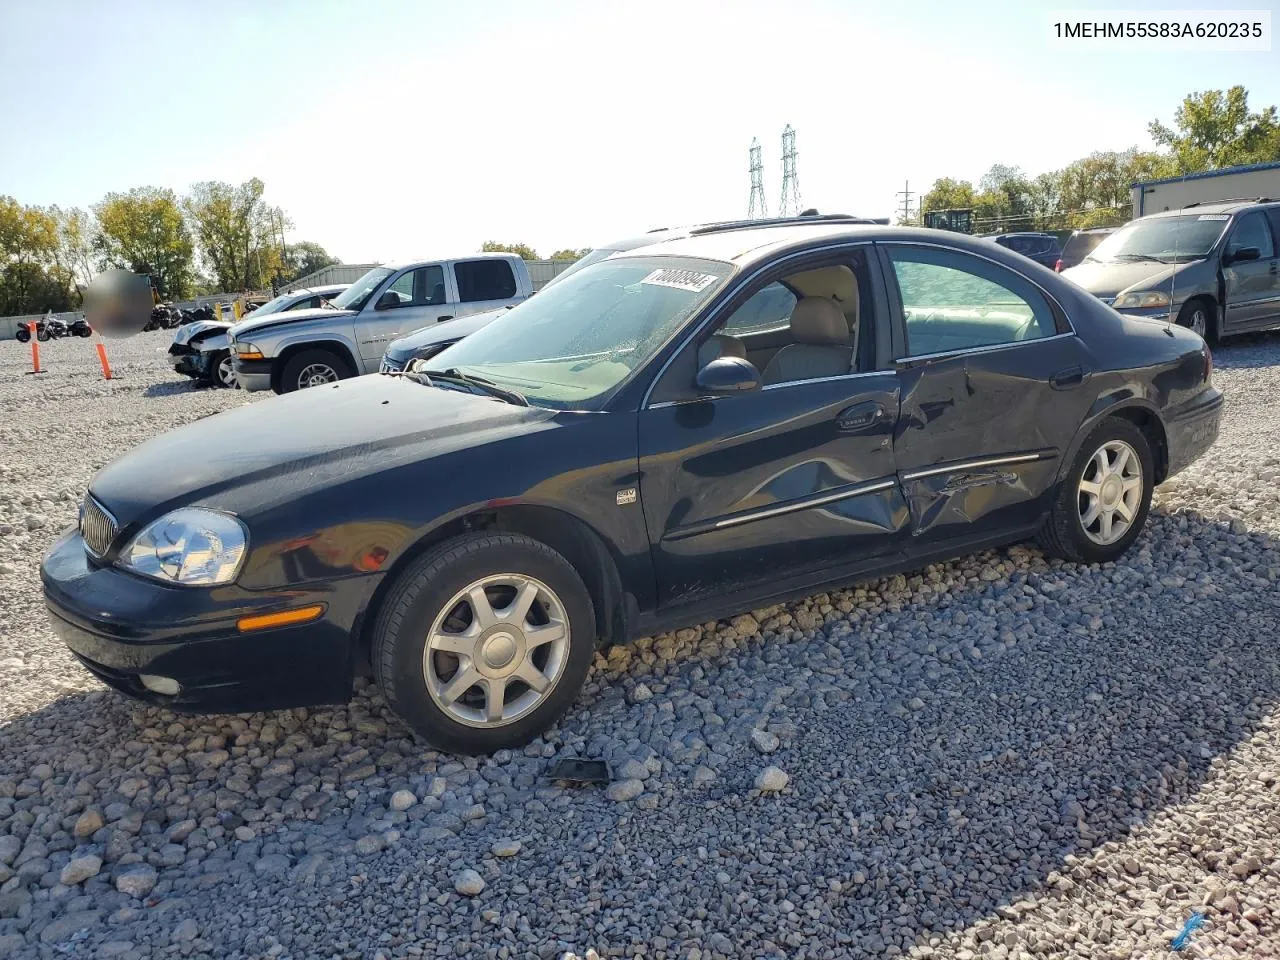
[(306, 348)]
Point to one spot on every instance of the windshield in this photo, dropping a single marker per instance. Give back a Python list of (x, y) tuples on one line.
[(1163, 238), (581, 338), (276, 305), (595, 256), (358, 294)]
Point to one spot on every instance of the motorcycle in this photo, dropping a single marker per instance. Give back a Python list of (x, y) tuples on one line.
[(57, 328), (23, 334)]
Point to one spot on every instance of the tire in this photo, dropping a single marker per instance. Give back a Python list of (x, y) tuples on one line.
[(1198, 316), (23, 335), (429, 605), (304, 370), (42, 335), (1065, 534), (223, 371)]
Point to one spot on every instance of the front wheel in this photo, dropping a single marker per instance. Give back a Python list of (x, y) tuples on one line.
[(484, 642), (313, 368), (1198, 317), (1103, 503), (42, 335), (224, 371)]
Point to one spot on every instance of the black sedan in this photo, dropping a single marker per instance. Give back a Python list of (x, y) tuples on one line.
[(673, 434)]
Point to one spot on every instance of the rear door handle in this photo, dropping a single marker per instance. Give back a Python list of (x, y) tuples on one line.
[(443, 319), (861, 416), (1065, 379)]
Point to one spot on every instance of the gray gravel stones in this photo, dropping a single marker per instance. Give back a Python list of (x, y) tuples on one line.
[(772, 780), (995, 757), (505, 847), (469, 883), (621, 791), (80, 869), (137, 880), (764, 741), (402, 800)]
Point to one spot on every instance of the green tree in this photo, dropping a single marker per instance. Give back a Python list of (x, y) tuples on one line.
[(77, 232), (525, 251), (566, 254), (303, 258), (237, 234), (1215, 128), (146, 225), (948, 194), (31, 280)]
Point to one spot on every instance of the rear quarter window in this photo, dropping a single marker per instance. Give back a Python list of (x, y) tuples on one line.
[(484, 280)]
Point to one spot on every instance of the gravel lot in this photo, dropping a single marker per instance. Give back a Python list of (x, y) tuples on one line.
[(999, 757)]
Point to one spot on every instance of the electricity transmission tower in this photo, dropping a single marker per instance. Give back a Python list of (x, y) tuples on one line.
[(789, 206), (756, 207)]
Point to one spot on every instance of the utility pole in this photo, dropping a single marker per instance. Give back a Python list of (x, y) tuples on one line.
[(906, 195), (756, 206)]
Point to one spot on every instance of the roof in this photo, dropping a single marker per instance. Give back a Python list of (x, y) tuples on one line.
[(1218, 206), (500, 255), (749, 245), (1209, 174)]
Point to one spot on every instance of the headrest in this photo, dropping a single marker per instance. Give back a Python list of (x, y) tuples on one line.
[(720, 346), (818, 321)]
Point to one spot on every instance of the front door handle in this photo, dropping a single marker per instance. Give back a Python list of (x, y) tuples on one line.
[(443, 319), (1068, 378), (861, 416)]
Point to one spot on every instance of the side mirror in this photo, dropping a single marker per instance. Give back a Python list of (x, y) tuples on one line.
[(388, 300), (728, 375), (1240, 254)]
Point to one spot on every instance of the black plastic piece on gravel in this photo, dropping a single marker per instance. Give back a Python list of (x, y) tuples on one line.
[(581, 772)]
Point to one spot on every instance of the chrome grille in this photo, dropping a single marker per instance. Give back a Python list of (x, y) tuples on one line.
[(96, 526)]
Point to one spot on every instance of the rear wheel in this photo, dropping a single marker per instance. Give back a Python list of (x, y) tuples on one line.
[(23, 335), (313, 368), (1103, 503), (484, 642)]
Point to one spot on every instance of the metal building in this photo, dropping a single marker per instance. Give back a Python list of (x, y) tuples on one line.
[(1229, 183)]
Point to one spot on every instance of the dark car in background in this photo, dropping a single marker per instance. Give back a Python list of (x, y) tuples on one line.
[(672, 434), (1041, 247), (1213, 268), (1080, 244)]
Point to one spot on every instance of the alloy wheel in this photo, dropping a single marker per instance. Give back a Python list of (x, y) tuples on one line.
[(496, 650), (1110, 492), (1198, 322), (316, 374), (226, 372)]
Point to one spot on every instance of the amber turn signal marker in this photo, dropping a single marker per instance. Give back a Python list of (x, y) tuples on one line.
[(282, 619)]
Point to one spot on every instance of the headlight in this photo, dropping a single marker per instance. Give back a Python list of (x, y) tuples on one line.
[(426, 353), (247, 351), (191, 546), (1143, 298)]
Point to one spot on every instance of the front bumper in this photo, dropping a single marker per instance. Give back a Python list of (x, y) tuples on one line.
[(1192, 429), (1149, 313), (121, 626), (254, 374), (191, 363)]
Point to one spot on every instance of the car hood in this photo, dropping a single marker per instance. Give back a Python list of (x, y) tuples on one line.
[(273, 451), (198, 330), (407, 346), (1105, 280), (253, 324)]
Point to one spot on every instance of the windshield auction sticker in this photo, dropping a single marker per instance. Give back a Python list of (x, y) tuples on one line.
[(1213, 216), (680, 279)]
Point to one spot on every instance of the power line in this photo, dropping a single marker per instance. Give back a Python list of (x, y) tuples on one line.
[(756, 206), (790, 205)]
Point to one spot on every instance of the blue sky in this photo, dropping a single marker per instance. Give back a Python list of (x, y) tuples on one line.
[(394, 130)]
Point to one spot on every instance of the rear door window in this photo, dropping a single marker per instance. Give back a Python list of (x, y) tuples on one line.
[(484, 280)]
